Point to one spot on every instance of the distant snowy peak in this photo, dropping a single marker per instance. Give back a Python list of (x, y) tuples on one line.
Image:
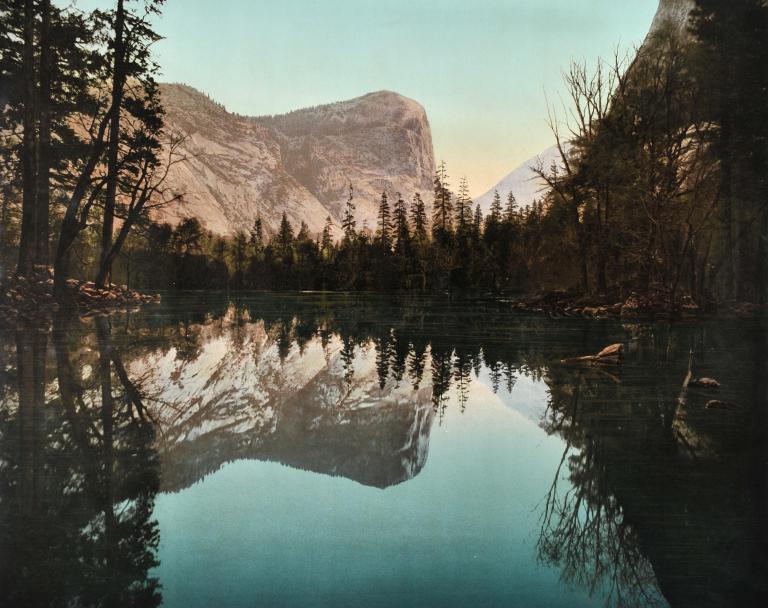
[(522, 182)]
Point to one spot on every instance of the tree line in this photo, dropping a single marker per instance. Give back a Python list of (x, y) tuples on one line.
[(456, 248), (660, 185)]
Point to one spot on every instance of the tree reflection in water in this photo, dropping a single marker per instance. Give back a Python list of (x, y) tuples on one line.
[(665, 500), (656, 498), (78, 478), (583, 529)]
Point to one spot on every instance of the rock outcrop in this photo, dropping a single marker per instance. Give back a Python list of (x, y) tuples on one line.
[(673, 14), (302, 163)]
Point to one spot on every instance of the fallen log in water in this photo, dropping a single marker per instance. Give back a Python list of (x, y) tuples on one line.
[(610, 355)]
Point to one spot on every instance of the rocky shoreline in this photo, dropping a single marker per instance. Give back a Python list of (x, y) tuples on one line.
[(653, 305), (30, 299)]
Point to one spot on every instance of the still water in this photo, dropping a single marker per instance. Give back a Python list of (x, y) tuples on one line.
[(336, 450)]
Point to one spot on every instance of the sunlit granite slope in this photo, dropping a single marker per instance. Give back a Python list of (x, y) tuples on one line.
[(238, 168)]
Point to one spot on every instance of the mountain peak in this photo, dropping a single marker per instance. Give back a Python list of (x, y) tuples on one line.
[(300, 163)]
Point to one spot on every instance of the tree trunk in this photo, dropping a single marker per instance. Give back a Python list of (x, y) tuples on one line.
[(31, 349), (61, 265), (42, 220), (71, 224), (114, 250), (602, 217), (118, 83), (582, 242), (27, 243), (107, 430)]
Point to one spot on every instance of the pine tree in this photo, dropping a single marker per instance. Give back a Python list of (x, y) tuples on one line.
[(419, 217), (119, 78), (400, 224), (326, 242), (383, 220), (257, 233), (477, 222), (136, 120), (303, 235), (50, 69), (441, 223), (239, 255), (463, 207), (510, 212), (284, 237), (348, 223), (495, 215)]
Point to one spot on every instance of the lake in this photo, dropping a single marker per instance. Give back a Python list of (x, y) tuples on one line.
[(331, 450)]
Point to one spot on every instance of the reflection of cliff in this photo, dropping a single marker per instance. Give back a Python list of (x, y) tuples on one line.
[(243, 393)]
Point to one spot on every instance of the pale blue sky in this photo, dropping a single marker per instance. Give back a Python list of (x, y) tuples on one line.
[(479, 67)]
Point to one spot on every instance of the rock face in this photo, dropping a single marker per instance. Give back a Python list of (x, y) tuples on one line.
[(671, 13), (302, 163)]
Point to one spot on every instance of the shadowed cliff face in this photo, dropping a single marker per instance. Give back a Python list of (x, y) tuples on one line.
[(302, 163)]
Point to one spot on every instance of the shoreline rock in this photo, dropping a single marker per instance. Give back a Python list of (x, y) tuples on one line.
[(653, 305), (30, 299)]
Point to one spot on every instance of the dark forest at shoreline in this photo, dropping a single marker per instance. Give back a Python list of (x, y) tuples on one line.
[(661, 186)]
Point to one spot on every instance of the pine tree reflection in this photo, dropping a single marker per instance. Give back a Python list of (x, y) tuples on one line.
[(651, 497), (79, 478)]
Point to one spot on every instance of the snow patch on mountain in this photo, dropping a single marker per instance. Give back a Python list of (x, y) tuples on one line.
[(522, 182)]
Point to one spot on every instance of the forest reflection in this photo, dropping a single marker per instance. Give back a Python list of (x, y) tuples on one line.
[(79, 475), (658, 498)]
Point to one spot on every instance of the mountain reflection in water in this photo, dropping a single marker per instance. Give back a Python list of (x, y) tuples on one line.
[(657, 499)]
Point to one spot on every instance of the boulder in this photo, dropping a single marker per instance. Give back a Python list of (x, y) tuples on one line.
[(704, 383), (715, 404)]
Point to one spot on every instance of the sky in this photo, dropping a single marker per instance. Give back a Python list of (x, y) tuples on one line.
[(482, 69)]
